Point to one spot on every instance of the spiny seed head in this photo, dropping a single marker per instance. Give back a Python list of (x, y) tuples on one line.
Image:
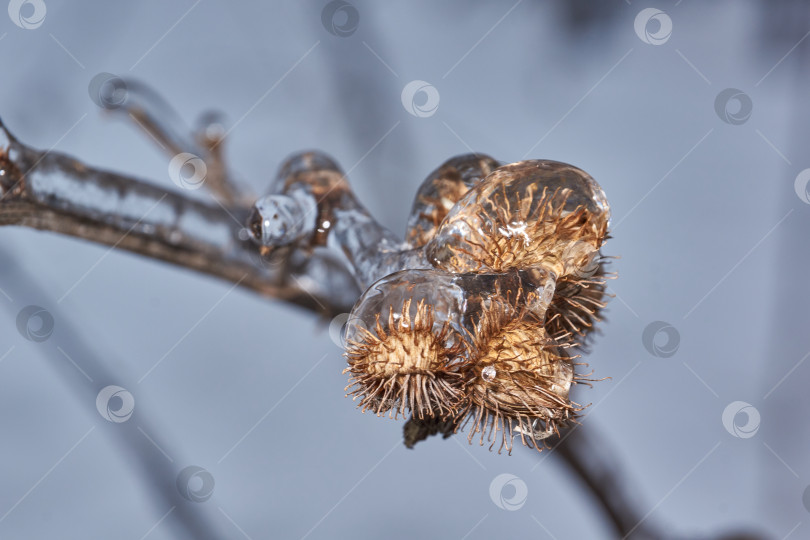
[(405, 363), (578, 302), (519, 381), (530, 213)]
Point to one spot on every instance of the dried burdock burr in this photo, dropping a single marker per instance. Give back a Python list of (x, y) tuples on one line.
[(526, 214), (441, 190), (577, 303), (520, 380), (411, 338), (534, 213), (405, 347)]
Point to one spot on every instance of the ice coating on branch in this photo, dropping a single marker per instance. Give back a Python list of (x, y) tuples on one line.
[(305, 162), (52, 191), (63, 184), (311, 204), (372, 250), (279, 220), (441, 190), (530, 213)]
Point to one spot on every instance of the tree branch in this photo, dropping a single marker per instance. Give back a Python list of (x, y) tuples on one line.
[(51, 191)]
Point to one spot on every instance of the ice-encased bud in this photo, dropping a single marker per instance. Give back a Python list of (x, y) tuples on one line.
[(306, 162), (520, 381), (278, 220), (404, 345), (441, 190), (522, 215)]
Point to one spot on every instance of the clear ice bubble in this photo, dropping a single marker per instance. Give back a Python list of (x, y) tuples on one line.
[(488, 373), (439, 290), (458, 299)]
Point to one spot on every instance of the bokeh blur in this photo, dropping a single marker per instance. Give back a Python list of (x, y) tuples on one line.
[(694, 118)]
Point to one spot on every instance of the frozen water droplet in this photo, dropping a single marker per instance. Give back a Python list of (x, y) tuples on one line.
[(488, 373)]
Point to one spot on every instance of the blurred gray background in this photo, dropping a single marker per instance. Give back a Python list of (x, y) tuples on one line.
[(708, 220)]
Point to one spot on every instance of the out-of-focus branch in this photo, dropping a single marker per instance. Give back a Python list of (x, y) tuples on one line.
[(593, 461), (141, 104), (54, 192), (594, 464), (156, 473)]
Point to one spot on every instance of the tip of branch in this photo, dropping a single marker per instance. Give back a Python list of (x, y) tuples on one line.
[(6, 137), (9, 171)]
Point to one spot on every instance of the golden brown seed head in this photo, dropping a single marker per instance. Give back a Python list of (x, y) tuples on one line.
[(530, 213), (519, 382), (577, 304), (406, 364)]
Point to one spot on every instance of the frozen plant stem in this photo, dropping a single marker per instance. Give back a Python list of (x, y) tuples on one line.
[(54, 192), (311, 204), (139, 104)]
